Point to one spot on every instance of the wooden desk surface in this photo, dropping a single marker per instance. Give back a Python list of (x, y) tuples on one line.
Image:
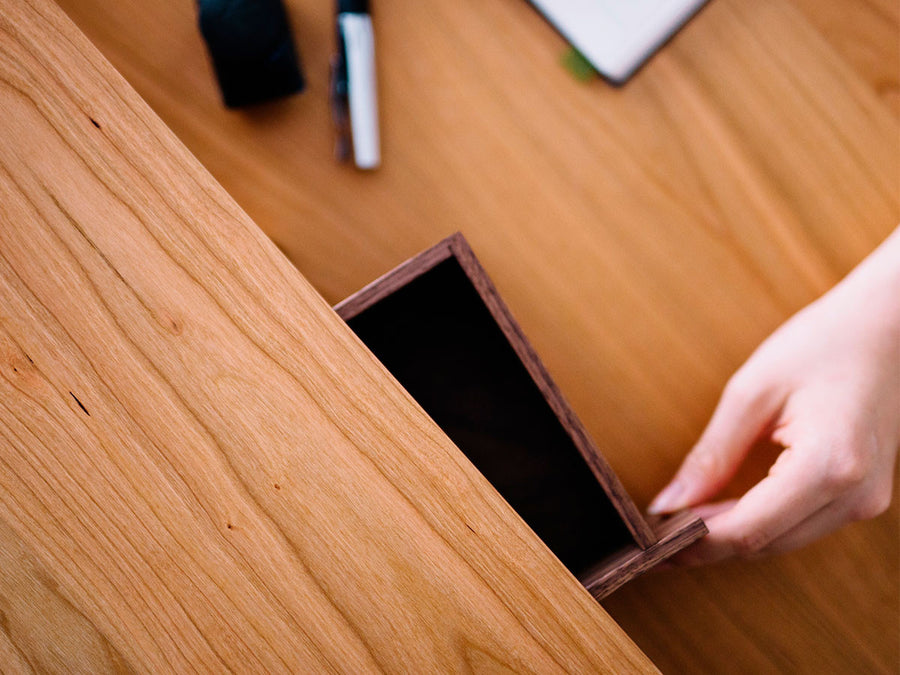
[(201, 468), (648, 238)]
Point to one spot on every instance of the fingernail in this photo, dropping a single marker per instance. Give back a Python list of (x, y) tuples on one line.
[(668, 500)]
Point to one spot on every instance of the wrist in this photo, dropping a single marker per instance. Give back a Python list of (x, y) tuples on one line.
[(871, 291)]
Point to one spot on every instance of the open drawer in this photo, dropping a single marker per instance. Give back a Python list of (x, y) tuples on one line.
[(438, 325)]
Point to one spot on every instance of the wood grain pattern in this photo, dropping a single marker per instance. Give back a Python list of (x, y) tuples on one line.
[(200, 467), (672, 534), (867, 37), (647, 238)]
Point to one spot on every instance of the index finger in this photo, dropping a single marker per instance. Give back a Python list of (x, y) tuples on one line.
[(782, 500)]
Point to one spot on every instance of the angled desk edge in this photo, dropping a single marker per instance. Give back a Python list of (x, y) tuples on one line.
[(200, 466)]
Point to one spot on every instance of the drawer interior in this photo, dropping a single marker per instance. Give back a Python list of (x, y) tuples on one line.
[(438, 338)]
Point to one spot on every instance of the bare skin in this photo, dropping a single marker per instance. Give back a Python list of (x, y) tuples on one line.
[(826, 387)]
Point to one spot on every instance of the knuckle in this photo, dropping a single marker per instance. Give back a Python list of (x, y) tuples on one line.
[(847, 471), (746, 391), (740, 389)]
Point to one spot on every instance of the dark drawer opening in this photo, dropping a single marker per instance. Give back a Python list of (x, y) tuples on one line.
[(437, 337)]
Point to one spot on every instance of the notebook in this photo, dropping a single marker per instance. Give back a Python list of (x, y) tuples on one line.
[(617, 36)]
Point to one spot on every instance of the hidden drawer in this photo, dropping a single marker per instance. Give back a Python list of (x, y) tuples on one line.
[(439, 326)]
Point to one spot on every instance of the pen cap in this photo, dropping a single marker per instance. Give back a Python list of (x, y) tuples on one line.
[(353, 6), (252, 49)]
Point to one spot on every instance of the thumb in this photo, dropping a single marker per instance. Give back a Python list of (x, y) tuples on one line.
[(743, 414)]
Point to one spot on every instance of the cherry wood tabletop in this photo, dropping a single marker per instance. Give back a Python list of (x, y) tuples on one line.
[(647, 238), (201, 468)]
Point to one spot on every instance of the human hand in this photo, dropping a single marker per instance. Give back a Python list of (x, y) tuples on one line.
[(826, 387)]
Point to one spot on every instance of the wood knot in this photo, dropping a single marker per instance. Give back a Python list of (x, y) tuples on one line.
[(171, 324), (19, 364)]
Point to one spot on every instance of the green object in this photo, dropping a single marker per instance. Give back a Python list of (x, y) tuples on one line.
[(580, 68)]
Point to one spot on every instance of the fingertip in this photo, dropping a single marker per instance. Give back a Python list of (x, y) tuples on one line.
[(670, 499)]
